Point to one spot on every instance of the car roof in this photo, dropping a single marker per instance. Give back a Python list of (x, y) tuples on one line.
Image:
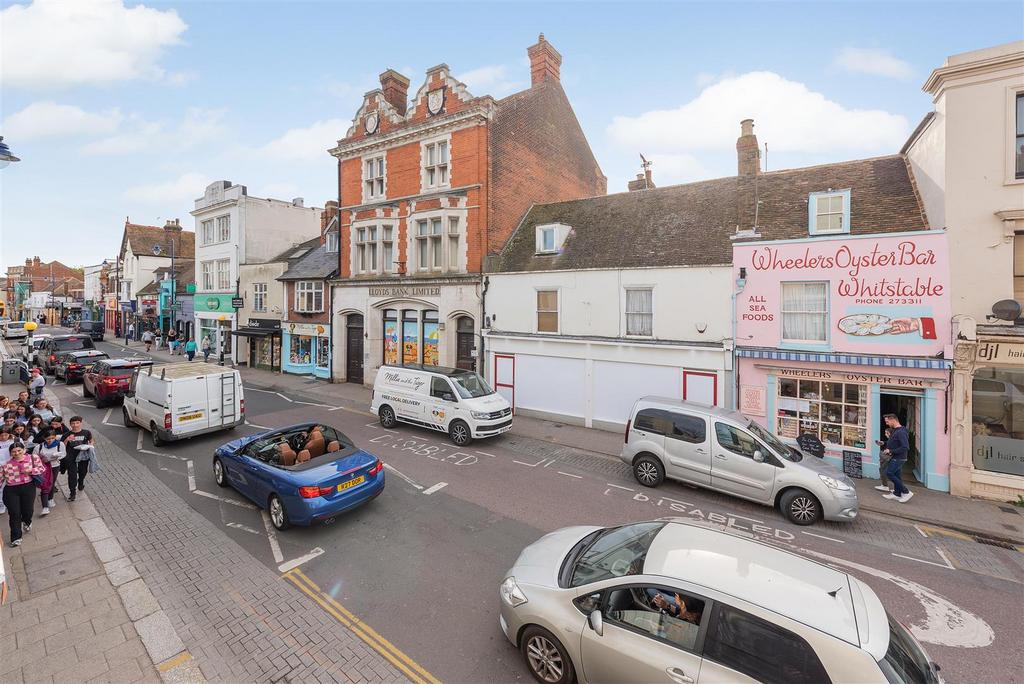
[(121, 363), (78, 336), (436, 370), (809, 592), (85, 352), (695, 407)]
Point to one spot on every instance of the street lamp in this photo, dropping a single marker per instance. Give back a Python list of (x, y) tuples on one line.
[(5, 154)]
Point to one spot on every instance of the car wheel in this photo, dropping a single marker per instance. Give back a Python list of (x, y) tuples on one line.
[(218, 473), (800, 507), (128, 423), (546, 657), (387, 417), (648, 471), (459, 433), (278, 514), (157, 440)]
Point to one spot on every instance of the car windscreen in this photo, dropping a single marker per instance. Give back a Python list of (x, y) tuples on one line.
[(773, 442), (617, 551), (16, 324), (72, 343), (471, 385), (905, 662)]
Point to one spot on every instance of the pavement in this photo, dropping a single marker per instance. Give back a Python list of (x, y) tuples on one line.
[(984, 520)]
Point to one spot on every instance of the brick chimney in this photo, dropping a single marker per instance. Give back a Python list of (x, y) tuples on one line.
[(545, 62), (748, 152), (395, 87), (173, 226), (643, 182), (28, 262)]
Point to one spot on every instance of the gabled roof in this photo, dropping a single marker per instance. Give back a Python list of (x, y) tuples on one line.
[(143, 238), (691, 224), (152, 288), (316, 265)]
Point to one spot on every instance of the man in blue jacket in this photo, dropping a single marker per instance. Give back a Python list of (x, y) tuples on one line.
[(897, 446)]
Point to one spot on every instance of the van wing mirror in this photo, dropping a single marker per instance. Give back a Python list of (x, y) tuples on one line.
[(758, 456), (448, 396)]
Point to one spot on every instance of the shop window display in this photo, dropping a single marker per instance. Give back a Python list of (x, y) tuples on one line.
[(997, 408), (323, 353), (301, 350), (391, 345), (835, 412)]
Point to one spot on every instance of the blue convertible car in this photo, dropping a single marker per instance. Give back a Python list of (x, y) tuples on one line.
[(300, 474)]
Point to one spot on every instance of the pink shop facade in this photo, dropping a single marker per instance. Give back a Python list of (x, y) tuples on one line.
[(834, 333)]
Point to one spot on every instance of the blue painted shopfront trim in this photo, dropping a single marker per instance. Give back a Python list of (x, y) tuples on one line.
[(303, 368), (929, 428), (771, 391)]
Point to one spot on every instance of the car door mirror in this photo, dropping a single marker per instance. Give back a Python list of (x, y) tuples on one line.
[(758, 456), (596, 622)]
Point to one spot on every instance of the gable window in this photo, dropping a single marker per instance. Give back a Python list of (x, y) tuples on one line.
[(259, 297), (829, 212), (1018, 148), (223, 228), (331, 243), (805, 312), (374, 249), (435, 164), (373, 178), (206, 231), (547, 311), (640, 311), (430, 255), (309, 296)]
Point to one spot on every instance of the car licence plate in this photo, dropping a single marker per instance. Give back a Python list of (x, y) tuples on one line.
[(351, 483), (190, 416)]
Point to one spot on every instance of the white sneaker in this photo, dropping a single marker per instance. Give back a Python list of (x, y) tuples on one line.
[(890, 495), (906, 497), (45, 511), (882, 488), (3, 509)]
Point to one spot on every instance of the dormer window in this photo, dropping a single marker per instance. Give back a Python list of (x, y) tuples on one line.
[(551, 237), (828, 212)]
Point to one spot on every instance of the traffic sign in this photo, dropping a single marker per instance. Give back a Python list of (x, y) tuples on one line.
[(237, 302)]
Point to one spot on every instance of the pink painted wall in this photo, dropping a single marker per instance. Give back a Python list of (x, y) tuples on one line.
[(887, 295)]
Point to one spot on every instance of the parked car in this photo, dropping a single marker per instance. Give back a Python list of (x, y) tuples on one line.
[(94, 329), (38, 341), (14, 330), (301, 474), (57, 345), (182, 400), (727, 452), (676, 601), (450, 400), (107, 381), (72, 366)]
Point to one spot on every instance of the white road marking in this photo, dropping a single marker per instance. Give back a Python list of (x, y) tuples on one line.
[(76, 390), (275, 548), (82, 403), (157, 453), (918, 528), (290, 401), (138, 442), (191, 476), (922, 560), (821, 536), (434, 488), (244, 528), (945, 624), (106, 416), (945, 558), (628, 489), (223, 499), (534, 465), (403, 476), (311, 403), (578, 477), (486, 454), (257, 389), (292, 564), (261, 427), (733, 515)]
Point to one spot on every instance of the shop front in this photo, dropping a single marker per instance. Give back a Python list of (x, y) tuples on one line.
[(430, 324), (307, 349), (835, 334), (214, 320), (262, 337)]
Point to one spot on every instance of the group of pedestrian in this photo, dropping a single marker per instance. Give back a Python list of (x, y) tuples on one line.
[(35, 448), (174, 343)]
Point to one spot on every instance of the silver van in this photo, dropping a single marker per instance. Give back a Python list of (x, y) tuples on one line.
[(727, 452)]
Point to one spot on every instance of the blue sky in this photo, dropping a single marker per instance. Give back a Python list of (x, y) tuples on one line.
[(119, 109)]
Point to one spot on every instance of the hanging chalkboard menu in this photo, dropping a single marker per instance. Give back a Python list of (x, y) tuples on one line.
[(810, 444), (852, 463)]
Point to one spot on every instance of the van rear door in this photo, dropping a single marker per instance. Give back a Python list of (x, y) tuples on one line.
[(190, 405), (222, 395)]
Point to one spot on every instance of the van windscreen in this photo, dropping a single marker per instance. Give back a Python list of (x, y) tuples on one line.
[(470, 385)]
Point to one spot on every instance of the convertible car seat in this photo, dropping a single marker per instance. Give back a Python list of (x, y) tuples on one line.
[(334, 446), (302, 456), (316, 445), (286, 454)]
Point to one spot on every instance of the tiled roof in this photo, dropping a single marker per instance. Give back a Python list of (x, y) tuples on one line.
[(691, 224), (144, 238), (289, 254), (317, 264)]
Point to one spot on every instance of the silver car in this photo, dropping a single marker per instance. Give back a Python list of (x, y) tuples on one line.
[(727, 452), (672, 601)]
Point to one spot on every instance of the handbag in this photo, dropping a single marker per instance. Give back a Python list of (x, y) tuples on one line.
[(39, 481)]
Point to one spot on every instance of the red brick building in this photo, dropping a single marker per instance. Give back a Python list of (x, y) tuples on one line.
[(428, 188), (42, 276)]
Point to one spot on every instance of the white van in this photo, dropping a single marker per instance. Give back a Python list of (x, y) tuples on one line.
[(450, 400), (14, 330), (182, 400)]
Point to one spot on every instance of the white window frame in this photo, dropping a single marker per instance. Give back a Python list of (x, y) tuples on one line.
[(206, 231), (843, 213), (782, 312), (1012, 92), (207, 270), (558, 231), (223, 268), (452, 240), (375, 188), (259, 297), (359, 247), (224, 228), (332, 242), (627, 313), (537, 311), (425, 168), (311, 290)]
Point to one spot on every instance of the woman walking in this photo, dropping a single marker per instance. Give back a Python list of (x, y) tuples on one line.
[(190, 349), (18, 475), (206, 348), (51, 452)]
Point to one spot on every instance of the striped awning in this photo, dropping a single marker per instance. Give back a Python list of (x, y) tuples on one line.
[(848, 359)]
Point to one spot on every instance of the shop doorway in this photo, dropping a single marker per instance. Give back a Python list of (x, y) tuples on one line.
[(906, 407), (354, 348), (464, 345)]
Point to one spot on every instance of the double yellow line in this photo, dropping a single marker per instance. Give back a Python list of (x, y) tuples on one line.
[(406, 665)]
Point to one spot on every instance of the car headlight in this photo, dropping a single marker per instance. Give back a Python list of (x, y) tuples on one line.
[(480, 415), (833, 483), (511, 593)]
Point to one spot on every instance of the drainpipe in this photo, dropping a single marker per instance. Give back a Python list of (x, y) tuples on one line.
[(480, 357), (330, 322), (741, 283)]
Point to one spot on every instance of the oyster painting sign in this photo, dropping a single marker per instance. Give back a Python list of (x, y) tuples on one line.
[(871, 294)]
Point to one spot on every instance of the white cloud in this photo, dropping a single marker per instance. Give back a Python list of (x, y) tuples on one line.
[(173, 193), (491, 80), (789, 117), (306, 144), (56, 44), (874, 62), (52, 120), (137, 136)]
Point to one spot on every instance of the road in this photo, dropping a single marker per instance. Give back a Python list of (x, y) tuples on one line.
[(421, 564)]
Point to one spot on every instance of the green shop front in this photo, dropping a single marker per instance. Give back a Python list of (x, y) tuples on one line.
[(215, 320)]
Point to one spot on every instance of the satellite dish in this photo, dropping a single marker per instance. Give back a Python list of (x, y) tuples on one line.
[(1006, 309), (157, 249)]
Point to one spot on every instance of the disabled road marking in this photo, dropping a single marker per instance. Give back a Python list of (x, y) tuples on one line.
[(138, 442), (821, 536), (224, 499), (403, 476), (191, 476), (275, 548), (435, 488), (578, 477), (244, 528), (292, 564)]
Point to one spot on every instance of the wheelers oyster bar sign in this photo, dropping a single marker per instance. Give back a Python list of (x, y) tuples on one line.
[(870, 294)]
